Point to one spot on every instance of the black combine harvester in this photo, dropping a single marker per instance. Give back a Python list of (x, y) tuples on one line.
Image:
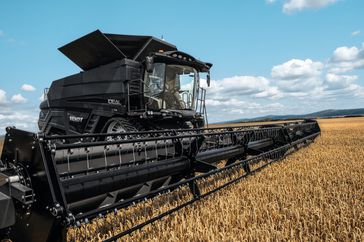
[(129, 127)]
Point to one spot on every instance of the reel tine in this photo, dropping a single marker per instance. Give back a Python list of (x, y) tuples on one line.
[(165, 147), (156, 150), (173, 149), (134, 152), (119, 151), (190, 146), (106, 148), (145, 151), (69, 152), (87, 158)]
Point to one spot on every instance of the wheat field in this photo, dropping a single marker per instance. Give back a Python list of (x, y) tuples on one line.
[(315, 194)]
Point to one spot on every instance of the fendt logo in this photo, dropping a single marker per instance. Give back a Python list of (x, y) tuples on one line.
[(113, 101), (76, 119)]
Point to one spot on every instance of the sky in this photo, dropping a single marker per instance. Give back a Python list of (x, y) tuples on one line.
[(269, 56)]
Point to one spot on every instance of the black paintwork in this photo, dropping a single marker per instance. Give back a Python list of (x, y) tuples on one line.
[(84, 102)]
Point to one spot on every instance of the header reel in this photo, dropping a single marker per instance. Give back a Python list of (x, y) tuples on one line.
[(65, 180)]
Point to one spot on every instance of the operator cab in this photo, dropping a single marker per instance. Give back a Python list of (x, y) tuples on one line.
[(171, 87)]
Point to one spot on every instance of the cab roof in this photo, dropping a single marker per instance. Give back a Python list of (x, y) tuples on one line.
[(97, 48)]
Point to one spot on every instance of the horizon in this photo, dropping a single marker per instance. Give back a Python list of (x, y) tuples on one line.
[(263, 118), (301, 57)]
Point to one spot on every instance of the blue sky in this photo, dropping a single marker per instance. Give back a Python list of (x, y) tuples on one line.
[(270, 57)]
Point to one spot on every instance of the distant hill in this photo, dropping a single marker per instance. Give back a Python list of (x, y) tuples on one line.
[(329, 113)]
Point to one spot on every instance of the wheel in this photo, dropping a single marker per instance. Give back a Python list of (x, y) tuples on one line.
[(118, 125)]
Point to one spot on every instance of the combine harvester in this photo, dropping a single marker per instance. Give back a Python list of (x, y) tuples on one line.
[(126, 129)]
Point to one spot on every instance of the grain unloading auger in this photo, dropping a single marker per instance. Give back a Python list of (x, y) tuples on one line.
[(103, 148)]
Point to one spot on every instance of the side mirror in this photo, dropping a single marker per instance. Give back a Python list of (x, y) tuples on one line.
[(149, 64), (208, 79)]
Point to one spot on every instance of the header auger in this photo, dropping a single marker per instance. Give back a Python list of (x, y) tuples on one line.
[(128, 129)]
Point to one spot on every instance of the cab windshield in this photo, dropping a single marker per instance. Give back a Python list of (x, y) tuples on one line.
[(171, 87)]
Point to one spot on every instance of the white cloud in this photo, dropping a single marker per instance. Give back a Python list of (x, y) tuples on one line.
[(18, 98), (298, 75), (22, 119), (13, 116), (275, 106), (291, 6), (229, 102), (356, 90), (242, 86), (235, 107), (339, 85), (334, 81), (346, 59), (270, 1), (238, 86), (295, 83), (307, 79), (241, 96), (271, 92), (345, 54), (2, 97), (27, 88), (355, 33), (296, 68), (236, 111)]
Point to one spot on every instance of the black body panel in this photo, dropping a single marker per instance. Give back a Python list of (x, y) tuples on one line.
[(96, 48), (111, 85)]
